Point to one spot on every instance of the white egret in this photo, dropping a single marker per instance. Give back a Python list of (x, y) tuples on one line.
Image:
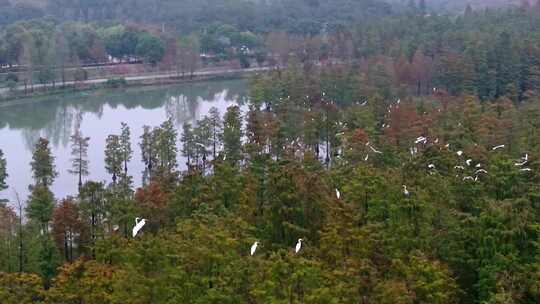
[(526, 157), (298, 246), (481, 171), (468, 178), (521, 164), (405, 191), (420, 139), (366, 158), (437, 141), (468, 162), (431, 166), (254, 248), (375, 150), (498, 147), (398, 101), (459, 153), (364, 103), (139, 223), (338, 194), (447, 146), (526, 170), (459, 167), (479, 165)]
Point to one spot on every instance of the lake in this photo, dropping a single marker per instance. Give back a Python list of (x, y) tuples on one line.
[(102, 111)]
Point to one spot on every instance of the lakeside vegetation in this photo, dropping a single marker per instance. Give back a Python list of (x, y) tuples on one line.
[(403, 150)]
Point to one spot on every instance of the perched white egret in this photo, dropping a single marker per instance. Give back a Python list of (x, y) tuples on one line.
[(526, 157), (139, 223), (437, 141), (468, 178), (459, 167), (459, 153), (364, 103), (447, 146), (479, 165), (468, 162), (431, 166), (480, 171), (405, 191), (298, 246), (398, 101), (366, 158), (254, 248), (526, 170), (498, 147), (338, 194)]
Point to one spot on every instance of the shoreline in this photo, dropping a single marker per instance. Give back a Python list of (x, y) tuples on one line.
[(127, 82)]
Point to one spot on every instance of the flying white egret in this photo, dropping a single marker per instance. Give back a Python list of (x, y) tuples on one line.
[(405, 191), (338, 194), (468, 162), (254, 248), (498, 147), (459, 153), (298, 246), (521, 164), (420, 139), (139, 223), (375, 150)]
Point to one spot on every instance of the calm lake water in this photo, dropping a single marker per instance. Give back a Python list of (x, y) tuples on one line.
[(102, 111)]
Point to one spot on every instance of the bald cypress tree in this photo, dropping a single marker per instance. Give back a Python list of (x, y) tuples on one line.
[(43, 168)]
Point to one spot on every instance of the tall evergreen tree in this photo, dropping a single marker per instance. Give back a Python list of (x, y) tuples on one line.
[(43, 168), (3, 171), (114, 157), (232, 134), (79, 152)]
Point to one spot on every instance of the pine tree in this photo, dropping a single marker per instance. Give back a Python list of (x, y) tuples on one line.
[(216, 125), (3, 171), (188, 143), (232, 134), (79, 152), (40, 207), (125, 144), (114, 156), (43, 168)]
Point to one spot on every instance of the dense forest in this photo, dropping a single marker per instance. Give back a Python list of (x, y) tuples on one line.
[(403, 151)]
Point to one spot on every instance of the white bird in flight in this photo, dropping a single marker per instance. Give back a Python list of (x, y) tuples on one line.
[(338, 194), (521, 164), (375, 150), (298, 246), (498, 147), (139, 223), (421, 139), (254, 248)]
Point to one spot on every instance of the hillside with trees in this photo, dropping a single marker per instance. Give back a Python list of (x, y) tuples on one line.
[(404, 152)]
